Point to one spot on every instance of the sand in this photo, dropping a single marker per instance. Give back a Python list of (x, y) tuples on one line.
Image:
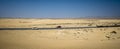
[(83, 38)]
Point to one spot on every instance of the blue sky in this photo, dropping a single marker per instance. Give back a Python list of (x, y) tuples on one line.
[(60, 8)]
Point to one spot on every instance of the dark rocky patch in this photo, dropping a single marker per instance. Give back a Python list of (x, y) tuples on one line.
[(113, 32)]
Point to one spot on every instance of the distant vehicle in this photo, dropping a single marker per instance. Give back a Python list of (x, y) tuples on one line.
[(59, 27), (34, 28)]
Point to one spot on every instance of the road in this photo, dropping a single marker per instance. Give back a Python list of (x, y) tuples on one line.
[(56, 28)]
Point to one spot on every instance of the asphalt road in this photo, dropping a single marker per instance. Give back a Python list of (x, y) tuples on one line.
[(56, 28)]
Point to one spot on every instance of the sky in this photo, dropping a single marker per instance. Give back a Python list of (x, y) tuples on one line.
[(60, 8)]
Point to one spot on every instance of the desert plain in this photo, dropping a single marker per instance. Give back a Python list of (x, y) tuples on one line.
[(81, 38)]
